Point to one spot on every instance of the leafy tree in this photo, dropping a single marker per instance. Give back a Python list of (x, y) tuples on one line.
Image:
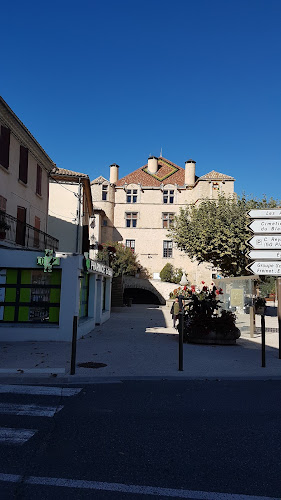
[(120, 258), (171, 274), (216, 231)]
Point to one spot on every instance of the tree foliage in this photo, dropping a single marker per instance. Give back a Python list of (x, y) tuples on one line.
[(120, 258), (216, 231), (171, 274)]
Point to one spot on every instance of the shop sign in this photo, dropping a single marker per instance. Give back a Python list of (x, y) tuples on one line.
[(48, 261), (97, 266)]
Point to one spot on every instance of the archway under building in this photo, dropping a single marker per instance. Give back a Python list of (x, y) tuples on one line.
[(140, 296)]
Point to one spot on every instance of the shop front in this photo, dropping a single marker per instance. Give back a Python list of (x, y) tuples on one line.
[(40, 293)]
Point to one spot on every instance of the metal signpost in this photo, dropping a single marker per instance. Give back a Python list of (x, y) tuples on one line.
[(266, 244)]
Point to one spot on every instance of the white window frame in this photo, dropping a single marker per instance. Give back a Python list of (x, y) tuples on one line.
[(167, 249), (168, 196), (132, 195), (104, 191), (169, 219), (131, 217), (131, 244)]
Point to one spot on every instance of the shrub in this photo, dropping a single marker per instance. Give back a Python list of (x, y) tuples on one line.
[(167, 273)]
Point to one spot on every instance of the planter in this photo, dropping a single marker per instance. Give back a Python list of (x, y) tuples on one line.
[(215, 338)]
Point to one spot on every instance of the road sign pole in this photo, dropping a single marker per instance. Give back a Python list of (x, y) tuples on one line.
[(262, 341), (278, 286)]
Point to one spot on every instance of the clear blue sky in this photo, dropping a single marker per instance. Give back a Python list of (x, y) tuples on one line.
[(113, 81)]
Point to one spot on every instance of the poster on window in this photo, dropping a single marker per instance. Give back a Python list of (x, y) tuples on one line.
[(3, 273), (40, 297)]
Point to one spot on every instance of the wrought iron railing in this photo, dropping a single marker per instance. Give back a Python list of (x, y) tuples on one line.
[(24, 235)]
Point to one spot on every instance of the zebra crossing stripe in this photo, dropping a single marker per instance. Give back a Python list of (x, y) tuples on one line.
[(15, 436), (29, 410), (39, 390)]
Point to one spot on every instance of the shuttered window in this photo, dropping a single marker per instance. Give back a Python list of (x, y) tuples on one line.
[(36, 231), (23, 167), (39, 180), (4, 146), (21, 226)]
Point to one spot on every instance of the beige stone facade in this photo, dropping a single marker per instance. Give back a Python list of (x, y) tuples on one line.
[(138, 208)]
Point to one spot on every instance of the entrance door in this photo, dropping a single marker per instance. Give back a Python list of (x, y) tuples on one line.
[(21, 226)]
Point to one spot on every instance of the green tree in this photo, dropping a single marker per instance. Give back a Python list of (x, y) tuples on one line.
[(171, 274), (216, 231), (120, 258)]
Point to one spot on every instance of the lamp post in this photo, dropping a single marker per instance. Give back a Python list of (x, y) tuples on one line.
[(183, 282)]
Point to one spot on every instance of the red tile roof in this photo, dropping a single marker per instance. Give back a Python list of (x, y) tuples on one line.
[(168, 173)]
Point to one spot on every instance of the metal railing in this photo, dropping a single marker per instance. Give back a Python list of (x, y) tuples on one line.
[(24, 235)]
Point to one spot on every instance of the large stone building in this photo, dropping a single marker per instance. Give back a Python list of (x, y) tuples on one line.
[(139, 208)]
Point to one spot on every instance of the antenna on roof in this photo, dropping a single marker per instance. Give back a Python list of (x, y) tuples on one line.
[(161, 153)]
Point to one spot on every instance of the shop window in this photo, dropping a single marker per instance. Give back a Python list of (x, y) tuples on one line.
[(39, 180), (84, 296), (23, 166), (168, 196), (4, 146), (131, 244), (132, 195), (29, 296), (167, 248), (167, 220), (131, 219)]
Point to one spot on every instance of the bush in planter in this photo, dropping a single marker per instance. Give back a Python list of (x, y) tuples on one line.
[(171, 274), (203, 321)]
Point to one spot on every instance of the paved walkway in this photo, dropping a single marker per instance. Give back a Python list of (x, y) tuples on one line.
[(140, 342)]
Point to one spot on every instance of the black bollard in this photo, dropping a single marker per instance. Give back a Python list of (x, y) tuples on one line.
[(180, 328), (73, 345), (262, 341)]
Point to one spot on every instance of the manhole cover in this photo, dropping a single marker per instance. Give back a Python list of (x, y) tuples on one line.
[(91, 364)]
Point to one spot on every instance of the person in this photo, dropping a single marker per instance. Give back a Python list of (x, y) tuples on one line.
[(175, 309)]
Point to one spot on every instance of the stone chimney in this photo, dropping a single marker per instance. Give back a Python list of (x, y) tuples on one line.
[(190, 172), (152, 164), (114, 174)]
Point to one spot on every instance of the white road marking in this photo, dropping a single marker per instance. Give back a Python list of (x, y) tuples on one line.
[(15, 436), (30, 410), (39, 390), (129, 488)]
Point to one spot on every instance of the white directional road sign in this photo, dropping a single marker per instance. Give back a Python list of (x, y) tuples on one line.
[(266, 226), (269, 268), (269, 213), (265, 254), (271, 242)]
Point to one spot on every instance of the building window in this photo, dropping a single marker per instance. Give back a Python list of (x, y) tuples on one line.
[(104, 192), (168, 196), (4, 147), (131, 244), (104, 222), (167, 219), (132, 195), (21, 226), (23, 167), (36, 232), (167, 248), (30, 296), (131, 219), (84, 296), (39, 180), (3, 203)]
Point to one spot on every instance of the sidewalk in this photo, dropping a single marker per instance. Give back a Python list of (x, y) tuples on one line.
[(139, 342)]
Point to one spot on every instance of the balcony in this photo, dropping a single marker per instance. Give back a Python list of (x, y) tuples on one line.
[(22, 235)]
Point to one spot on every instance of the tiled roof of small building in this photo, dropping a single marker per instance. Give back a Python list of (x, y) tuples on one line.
[(99, 180), (213, 175), (67, 173), (167, 173)]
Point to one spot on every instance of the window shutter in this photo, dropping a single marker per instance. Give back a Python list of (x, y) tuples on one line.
[(23, 167), (4, 147), (39, 180)]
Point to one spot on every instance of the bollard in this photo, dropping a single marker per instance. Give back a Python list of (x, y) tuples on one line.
[(278, 286), (180, 328), (73, 345)]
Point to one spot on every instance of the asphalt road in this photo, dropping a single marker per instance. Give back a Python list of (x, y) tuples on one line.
[(144, 439)]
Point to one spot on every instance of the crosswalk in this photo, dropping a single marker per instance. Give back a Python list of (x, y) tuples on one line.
[(19, 436)]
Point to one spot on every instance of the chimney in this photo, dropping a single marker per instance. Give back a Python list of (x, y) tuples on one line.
[(190, 172), (114, 174), (152, 164)]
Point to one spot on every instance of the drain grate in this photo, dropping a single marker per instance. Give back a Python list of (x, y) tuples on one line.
[(91, 364)]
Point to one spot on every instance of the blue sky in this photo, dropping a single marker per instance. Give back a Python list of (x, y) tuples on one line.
[(114, 81)]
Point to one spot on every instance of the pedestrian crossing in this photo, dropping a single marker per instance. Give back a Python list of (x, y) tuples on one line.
[(18, 436)]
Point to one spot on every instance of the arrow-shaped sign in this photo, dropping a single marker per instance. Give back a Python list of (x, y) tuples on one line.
[(265, 214), (262, 242), (269, 268), (265, 254), (266, 226)]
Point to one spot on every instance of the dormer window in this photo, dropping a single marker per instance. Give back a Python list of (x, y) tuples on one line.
[(168, 195), (132, 195), (104, 192)]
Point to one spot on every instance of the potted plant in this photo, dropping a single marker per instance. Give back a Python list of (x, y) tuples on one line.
[(260, 304), (204, 323)]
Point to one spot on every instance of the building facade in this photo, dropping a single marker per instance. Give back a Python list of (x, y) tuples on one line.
[(139, 208), (24, 185)]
